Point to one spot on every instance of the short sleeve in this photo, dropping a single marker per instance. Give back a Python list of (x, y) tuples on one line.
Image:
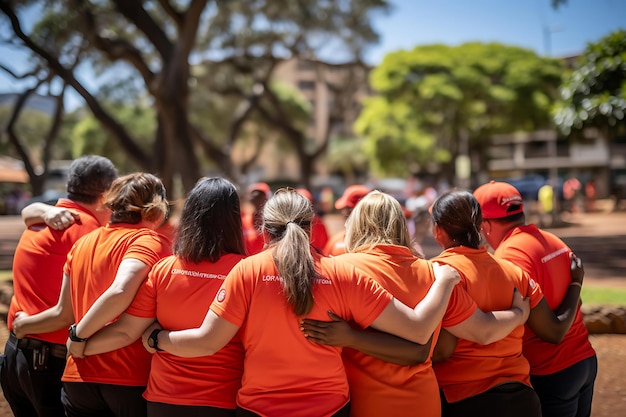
[(533, 290), (367, 298), (232, 300), (460, 307)]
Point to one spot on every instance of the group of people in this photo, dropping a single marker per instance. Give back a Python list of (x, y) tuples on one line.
[(202, 326)]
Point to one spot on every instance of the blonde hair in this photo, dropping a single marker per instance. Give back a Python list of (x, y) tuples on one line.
[(287, 217), (377, 219), (136, 197)]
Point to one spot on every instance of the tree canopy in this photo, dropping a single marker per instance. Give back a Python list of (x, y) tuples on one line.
[(436, 102), (151, 45), (594, 94)]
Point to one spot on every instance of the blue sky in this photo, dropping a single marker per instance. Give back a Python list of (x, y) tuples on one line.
[(516, 22), (416, 22)]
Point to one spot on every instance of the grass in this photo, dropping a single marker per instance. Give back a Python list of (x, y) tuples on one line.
[(603, 295), (590, 295)]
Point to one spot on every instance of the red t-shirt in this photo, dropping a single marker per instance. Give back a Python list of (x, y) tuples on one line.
[(379, 388), (546, 258), (178, 294), (284, 373), (92, 265), (319, 234), (253, 238), (38, 267), (473, 369)]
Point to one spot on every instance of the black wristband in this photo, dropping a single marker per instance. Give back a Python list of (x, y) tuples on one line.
[(72, 334), (153, 340)]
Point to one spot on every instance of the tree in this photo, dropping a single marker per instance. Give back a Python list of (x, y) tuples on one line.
[(437, 102), (594, 94), (156, 41)]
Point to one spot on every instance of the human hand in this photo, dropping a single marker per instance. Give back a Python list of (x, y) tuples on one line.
[(576, 268), (446, 273), (521, 303), (146, 334), (59, 218), (332, 333), (76, 349), (18, 320)]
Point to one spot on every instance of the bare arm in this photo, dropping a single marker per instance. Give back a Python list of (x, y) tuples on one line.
[(552, 326), (445, 347), (55, 318), (117, 335), (57, 218), (488, 327), (214, 333), (383, 346), (418, 324)]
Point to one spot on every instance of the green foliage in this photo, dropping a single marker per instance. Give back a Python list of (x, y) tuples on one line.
[(594, 94), (431, 95), (603, 295)]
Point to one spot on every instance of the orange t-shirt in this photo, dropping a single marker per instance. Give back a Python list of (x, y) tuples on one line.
[(284, 373), (38, 267), (546, 258), (473, 369), (92, 265), (174, 283), (336, 245), (379, 388)]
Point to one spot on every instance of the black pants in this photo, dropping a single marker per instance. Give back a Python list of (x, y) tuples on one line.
[(344, 412), (512, 399), (31, 378), (83, 399), (567, 393), (168, 410)]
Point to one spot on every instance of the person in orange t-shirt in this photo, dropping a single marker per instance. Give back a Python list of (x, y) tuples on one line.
[(268, 294), (30, 388), (351, 195), (209, 245), (563, 364), (385, 384), (490, 380), (102, 274), (251, 217)]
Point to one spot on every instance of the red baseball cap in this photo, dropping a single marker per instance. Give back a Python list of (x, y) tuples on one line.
[(259, 186), (498, 200), (306, 193), (352, 195)]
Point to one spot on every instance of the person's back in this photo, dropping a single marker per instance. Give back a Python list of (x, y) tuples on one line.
[(283, 371), (562, 372), (37, 275), (546, 257), (92, 265), (383, 388), (472, 368)]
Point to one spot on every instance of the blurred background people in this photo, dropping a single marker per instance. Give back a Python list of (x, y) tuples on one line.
[(351, 195), (209, 244), (563, 374), (31, 375), (252, 217), (102, 274), (319, 234)]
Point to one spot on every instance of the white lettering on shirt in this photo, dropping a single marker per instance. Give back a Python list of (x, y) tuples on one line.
[(197, 274), (553, 255)]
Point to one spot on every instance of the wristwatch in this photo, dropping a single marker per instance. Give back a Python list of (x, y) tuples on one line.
[(153, 340), (73, 337)]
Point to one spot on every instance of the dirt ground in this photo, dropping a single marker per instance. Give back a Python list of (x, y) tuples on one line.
[(598, 238)]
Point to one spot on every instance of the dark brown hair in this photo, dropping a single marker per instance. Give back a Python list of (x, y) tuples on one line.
[(458, 214)]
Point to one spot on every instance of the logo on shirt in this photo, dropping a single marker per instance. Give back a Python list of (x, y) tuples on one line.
[(532, 283), (221, 295)]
